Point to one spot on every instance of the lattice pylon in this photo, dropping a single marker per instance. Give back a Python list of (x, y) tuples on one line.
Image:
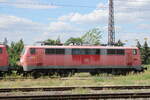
[(111, 27)]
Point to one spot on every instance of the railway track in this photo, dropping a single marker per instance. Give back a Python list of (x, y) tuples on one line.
[(73, 87), (79, 96)]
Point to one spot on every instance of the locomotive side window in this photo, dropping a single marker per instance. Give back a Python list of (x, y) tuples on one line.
[(111, 51), (85, 51), (54, 51), (120, 52), (91, 51), (134, 52), (50, 51), (103, 52), (82, 51), (96, 51), (32, 51), (76, 52), (1, 50), (115, 52), (60, 51)]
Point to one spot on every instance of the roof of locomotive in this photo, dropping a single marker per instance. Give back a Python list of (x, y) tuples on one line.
[(96, 47)]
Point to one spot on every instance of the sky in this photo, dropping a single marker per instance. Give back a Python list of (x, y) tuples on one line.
[(38, 20)]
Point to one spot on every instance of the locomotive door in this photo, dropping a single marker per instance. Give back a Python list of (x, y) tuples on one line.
[(40, 57), (129, 57)]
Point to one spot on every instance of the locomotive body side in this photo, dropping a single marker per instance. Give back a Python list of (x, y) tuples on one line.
[(81, 58), (3, 58), (133, 59)]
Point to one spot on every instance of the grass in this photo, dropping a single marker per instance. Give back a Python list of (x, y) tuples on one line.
[(100, 80)]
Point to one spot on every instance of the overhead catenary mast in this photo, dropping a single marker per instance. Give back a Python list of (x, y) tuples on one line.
[(111, 27)]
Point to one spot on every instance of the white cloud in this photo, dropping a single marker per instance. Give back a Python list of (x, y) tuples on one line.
[(95, 17), (15, 28), (60, 27), (102, 5), (7, 20), (132, 10), (132, 3), (125, 11), (144, 26)]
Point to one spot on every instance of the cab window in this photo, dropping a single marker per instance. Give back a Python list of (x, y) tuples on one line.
[(1, 50), (32, 51), (134, 52)]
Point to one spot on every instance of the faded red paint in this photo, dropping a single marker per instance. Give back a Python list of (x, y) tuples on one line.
[(3, 56), (40, 59)]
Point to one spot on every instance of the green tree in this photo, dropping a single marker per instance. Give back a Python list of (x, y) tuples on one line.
[(92, 37), (74, 41), (138, 45), (14, 51), (119, 43), (52, 42), (145, 53)]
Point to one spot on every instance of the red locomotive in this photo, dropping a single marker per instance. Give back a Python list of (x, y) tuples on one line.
[(69, 59), (3, 59)]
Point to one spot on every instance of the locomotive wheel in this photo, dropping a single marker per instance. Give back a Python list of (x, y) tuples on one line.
[(1, 74), (63, 74), (136, 72), (36, 74), (51, 74), (71, 73), (93, 73), (116, 72), (25, 74)]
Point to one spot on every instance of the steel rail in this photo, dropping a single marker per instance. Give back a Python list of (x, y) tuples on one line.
[(58, 88), (78, 96)]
